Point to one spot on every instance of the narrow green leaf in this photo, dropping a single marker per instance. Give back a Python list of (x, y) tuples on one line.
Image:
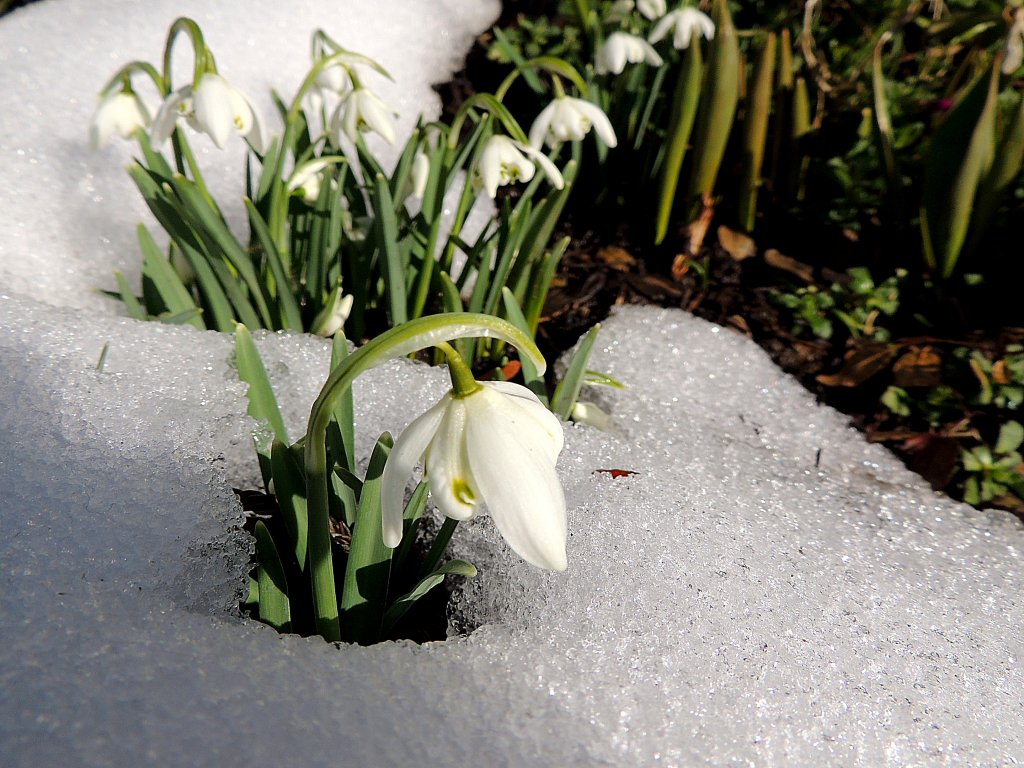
[(341, 434), (158, 269), (515, 316), (275, 608), (128, 298), (568, 389), (405, 602), (680, 125), (755, 133), (262, 403), (413, 512), (719, 96), (540, 284), (959, 156), (290, 490), (369, 562), (387, 243), (290, 317)]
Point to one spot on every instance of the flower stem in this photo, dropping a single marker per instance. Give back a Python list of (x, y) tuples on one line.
[(463, 383)]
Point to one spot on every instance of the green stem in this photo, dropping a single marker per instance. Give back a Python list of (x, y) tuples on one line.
[(438, 548), (189, 27), (463, 383), (397, 342)]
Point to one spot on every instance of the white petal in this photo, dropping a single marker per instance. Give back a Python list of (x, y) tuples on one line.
[(375, 114), (527, 404), (663, 26), (167, 116), (517, 480), (599, 120), (214, 108), (420, 174), (448, 471), (409, 448), (489, 166), (540, 126), (651, 9), (549, 168)]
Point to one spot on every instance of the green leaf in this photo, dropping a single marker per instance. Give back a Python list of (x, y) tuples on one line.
[(128, 298), (262, 403), (1011, 435), (960, 155), (368, 571), (719, 96), (290, 490), (275, 608), (568, 389), (288, 307), (413, 512), (755, 133), (164, 278), (387, 242), (680, 126), (341, 435), (515, 316), (405, 602)]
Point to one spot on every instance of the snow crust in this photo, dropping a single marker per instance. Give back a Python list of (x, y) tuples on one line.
[(740, 600)]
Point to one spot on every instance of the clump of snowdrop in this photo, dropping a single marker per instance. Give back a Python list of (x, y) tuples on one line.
[(362, 111)]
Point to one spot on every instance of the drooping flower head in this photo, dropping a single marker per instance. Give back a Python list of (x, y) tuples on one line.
[(495, 447), (360, 111), (504, 161), (214, 107), (570, 119), (685, 23), (119, 112), (621, 48)]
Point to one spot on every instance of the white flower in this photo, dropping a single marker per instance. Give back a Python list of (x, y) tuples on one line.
[(687, 22), (420, 174), (307, 178), (214, 107), (497, 446), (651, 9), (569, 119), (503, 161), (333, 79), (334, 314), (622, 47), (120, 112), (361, 110)]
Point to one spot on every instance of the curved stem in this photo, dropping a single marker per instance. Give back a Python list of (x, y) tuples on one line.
[(397, 342), (189, 27), (125, 73), (463, 383)]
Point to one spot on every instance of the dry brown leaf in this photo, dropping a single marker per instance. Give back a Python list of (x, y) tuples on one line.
[(999, 374), (736, 244), (779, 260), (860, 364), (919, 367), (616, 258)]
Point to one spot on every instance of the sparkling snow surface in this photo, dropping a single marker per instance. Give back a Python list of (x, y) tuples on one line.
[(738, 601)]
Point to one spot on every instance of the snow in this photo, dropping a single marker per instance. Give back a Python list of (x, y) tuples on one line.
[(740, 600)]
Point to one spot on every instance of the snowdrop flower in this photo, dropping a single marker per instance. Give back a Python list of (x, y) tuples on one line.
[(361, 110), (334, 314), (651, 9), (496, 446), (569, 119), (120, 112), (307, 178), (687, 22), (214, 107), (503, 161), (333, 79), (622, 47), (420, 173)]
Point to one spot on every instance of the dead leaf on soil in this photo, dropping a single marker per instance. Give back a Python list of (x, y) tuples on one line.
[(736, 244), (860, 364), (779, 260), (698, 230), (919, 367), (616, 258)]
